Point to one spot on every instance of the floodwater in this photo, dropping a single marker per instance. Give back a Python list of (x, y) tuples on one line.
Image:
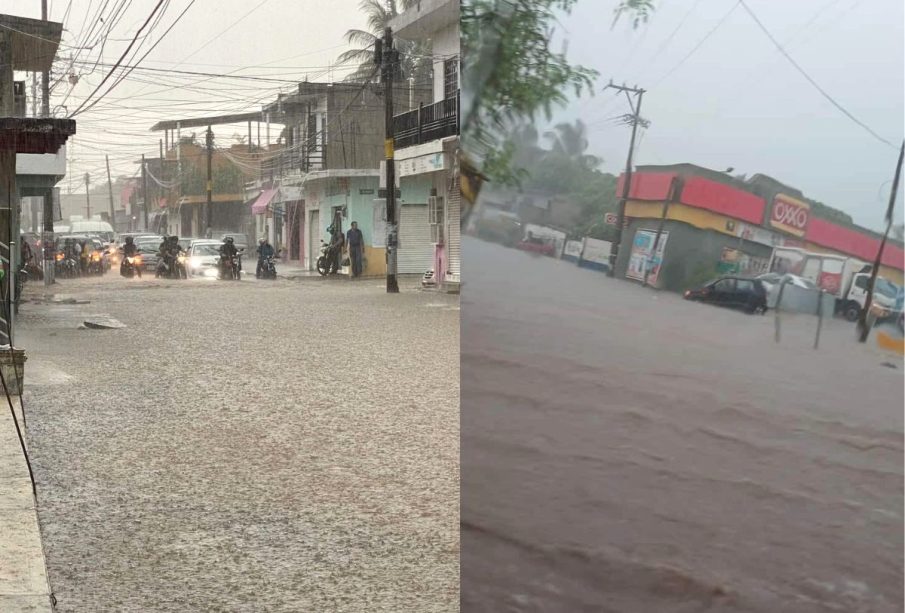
[(624, 450)]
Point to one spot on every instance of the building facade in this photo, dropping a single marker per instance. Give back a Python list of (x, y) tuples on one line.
[(427, 146), (710, 223)]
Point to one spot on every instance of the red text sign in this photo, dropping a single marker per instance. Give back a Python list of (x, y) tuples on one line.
[(790, 215)]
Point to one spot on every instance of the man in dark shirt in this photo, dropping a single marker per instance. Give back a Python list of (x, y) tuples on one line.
[(356, 242)]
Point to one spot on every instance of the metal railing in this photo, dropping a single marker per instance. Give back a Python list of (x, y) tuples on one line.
[(427, 123)]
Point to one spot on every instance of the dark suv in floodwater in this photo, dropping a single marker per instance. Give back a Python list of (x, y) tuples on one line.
[(742, 293)]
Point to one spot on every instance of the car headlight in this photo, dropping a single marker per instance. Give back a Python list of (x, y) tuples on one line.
[(195, 262)]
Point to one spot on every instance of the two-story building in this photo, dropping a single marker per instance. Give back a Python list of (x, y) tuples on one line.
[(324, 171), (427, 144)]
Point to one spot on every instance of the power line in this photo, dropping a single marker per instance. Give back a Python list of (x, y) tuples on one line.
[(811, 80), (154, 46), (672, 34), (134, 39), (700, 43)]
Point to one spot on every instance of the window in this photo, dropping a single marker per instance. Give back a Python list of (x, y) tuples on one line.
[(435, 209), (450, 78), (861, 282), (743, 285), (724, 285)]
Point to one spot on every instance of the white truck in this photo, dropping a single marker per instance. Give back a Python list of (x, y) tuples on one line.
[(846, 278)]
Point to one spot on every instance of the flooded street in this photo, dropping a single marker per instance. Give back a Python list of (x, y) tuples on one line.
[(624, 450), (246, 446)]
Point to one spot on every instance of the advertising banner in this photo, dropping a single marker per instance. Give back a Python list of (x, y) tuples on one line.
[(572, 251), (642, 256)]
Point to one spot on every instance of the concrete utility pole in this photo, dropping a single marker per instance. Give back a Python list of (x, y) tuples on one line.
[(45, 76), (110, 191), (635, 120), (144, 189), (388, 60), (87, 196), (210, 182)]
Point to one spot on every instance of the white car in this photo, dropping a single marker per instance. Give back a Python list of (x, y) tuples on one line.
[(203, 258), (771, 281)]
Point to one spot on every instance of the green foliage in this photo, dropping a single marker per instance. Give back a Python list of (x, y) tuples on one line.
[(565, 170), (414, 55), (511, 74)]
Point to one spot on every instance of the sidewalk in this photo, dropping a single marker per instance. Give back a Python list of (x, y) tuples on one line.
[(23, 576)]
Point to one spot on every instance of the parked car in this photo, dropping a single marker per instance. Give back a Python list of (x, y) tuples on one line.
[(746, 294), (204, 257)]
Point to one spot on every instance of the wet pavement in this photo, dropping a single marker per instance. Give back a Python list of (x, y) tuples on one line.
[(626, 451), (245, 446)]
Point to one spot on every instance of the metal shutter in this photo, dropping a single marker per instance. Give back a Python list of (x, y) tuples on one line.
[(416, 251), (453, 234), (314, 242)]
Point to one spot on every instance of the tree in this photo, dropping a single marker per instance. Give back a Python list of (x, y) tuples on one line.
[(511, 74), (415, 60), (571, 140)]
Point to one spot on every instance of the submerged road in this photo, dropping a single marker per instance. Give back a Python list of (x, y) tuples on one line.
[(626, 451), (252, 446)]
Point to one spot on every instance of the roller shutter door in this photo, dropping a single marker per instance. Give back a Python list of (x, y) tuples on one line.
[(416, 251)]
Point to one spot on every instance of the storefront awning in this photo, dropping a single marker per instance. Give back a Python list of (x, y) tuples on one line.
[(260, 205)]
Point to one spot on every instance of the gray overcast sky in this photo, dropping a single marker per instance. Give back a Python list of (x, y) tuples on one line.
[(738, 102), (283, 39)]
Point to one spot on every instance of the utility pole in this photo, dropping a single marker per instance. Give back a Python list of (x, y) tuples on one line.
[(87, 196), (635, 119), (144, 189), (388, 59), (210, 183), (110, 191), (45, 76), (675, 188), (863, 324)]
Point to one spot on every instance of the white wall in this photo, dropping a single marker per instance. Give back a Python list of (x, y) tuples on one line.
[(42, 164)]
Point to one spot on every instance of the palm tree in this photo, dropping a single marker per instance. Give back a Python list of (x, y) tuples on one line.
[(571, 141), (415, 57)]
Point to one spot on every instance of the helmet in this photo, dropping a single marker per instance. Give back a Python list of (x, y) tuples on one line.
[(229, 239), (130, 240), (261, 241)]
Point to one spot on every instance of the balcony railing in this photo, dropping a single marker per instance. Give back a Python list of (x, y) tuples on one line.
[(427, 123)]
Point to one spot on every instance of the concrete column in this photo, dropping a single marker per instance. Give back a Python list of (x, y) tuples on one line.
[(8, 200), (7, 104)]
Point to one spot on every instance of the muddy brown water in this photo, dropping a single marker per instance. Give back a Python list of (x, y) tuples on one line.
[(624, 450)]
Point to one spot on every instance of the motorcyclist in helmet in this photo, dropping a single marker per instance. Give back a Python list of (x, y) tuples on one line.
[(265, 250), (130, 250), (227, 250)]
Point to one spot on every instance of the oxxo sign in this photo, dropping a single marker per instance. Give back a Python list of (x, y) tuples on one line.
[(790, 215)]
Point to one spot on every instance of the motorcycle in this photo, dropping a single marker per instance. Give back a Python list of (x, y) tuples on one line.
[(326, 263), (66, 267), (96, 264), (131, 266), (268, 268), (171, 267), (230, 267)]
